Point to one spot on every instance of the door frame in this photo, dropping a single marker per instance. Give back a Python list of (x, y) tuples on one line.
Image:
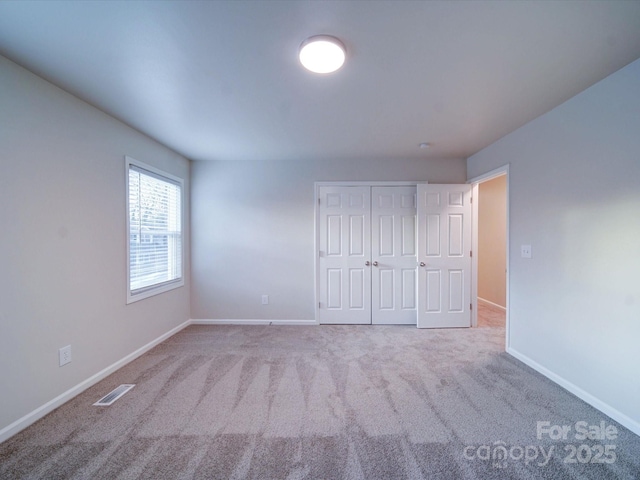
[(476, 181), (316, 223)]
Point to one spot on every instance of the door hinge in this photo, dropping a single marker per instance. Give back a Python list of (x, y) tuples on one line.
[(319, 305), (471, 253), (318, 200), (471, 306), (470, 199)]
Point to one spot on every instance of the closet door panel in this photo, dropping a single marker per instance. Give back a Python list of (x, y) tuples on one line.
[(393, 255), (344, 221)]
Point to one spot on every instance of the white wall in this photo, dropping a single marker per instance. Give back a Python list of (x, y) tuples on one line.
[(492, 240), (253, 230), (62, 243), (575, 197)]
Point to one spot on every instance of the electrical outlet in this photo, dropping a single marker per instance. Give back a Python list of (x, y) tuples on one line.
[(65, 355), (525, 251), (265, 299)]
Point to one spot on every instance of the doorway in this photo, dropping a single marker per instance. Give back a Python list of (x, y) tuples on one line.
[(491, 245)]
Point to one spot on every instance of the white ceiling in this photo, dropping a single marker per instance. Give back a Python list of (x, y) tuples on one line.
[(221, 79)]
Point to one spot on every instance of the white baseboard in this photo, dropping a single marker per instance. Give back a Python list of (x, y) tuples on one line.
[(50, 406), (219, 321), (595, 402), (491, 304)]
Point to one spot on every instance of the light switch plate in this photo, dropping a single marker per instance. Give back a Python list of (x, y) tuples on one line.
[(525, 251)]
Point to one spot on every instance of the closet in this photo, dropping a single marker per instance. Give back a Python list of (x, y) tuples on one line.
[(393, 254), (367, 254)]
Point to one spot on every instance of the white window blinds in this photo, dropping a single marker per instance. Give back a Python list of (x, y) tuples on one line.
[(155, 230)]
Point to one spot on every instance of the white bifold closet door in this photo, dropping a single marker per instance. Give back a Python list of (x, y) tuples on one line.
[(344, 254), (367, 255), (393, 255)]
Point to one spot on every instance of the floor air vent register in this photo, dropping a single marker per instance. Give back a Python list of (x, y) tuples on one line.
[(114, 395)]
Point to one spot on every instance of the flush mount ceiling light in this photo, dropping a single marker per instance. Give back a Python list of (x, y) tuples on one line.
[(322, 54)]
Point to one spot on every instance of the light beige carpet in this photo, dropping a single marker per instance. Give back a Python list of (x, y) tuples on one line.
[(329, 402)]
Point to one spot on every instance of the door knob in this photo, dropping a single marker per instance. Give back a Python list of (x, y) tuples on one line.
[(367, 263), (375, 264), (422, 264)]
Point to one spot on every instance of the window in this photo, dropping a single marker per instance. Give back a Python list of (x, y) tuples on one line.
[(154, 225)]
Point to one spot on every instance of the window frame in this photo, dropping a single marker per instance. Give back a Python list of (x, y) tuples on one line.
[(166, 286)]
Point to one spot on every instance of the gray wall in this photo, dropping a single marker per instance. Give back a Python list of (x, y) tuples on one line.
[(253, 230), (62, 246), (575, 197)]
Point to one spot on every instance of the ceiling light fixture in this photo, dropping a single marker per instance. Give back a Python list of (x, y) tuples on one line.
[(322, 54), (424, 145)]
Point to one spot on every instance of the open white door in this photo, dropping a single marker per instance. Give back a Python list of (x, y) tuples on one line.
[(444, 256), (344, 254)]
